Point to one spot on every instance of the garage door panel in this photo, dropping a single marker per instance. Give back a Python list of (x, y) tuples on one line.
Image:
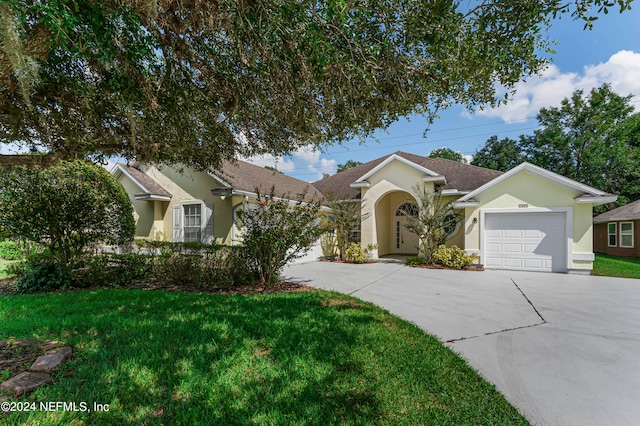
[(513, 248), (513, 233), (527, 241)]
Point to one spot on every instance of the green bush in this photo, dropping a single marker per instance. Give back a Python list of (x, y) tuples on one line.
[(196, 264), (111, 270), (453, 257), (43, 276), (413, 261), (10, 250)]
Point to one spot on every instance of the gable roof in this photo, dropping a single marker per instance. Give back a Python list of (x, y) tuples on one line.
[(587, 193), (458, 176), (629, 211), (247, 177), (151, 190)]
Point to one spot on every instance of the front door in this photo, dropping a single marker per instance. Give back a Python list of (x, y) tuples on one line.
[(405, 241)]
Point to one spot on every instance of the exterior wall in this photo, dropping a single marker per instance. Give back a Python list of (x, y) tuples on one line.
[(187, 186), (601, 240), (143, 210), (528, 192)]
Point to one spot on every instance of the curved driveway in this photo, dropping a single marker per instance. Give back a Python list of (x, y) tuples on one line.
[(563, 349)]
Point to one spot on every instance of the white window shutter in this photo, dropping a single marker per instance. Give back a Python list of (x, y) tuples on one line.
[(177, 224), (207, 223)]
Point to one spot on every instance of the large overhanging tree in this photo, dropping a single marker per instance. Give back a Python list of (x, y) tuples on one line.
[(200, 81)]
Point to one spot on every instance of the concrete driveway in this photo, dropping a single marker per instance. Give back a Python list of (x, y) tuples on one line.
[(563, 349)]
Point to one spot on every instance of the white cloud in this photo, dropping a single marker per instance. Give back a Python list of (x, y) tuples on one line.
[(621, 71), (285, 166)]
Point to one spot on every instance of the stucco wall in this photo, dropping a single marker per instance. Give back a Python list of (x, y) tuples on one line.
[(143, 210), (527, 192), (193, 185)]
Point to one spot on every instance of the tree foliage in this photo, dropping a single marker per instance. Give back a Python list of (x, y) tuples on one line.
[(349, 164), (594, 139), (447, 153), (199, 82), (67, 207), (503, 154), (434, 222), (277, 232)]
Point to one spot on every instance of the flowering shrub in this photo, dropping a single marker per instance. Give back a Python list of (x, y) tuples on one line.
[(278, 232), (453, 257)]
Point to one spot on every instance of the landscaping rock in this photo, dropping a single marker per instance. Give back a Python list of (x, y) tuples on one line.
[(48, 362), (25, 382), (65, 351), (51, 344)]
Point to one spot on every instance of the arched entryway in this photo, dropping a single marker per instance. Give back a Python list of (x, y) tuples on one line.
[(391, 214)]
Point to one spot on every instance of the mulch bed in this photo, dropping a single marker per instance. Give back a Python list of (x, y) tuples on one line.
[(7, 287)]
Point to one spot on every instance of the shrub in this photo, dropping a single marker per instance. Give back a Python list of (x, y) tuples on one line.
[(69, 207), (9, 250), (43, 276), (453, 257), (413, 261), (356, 254), (196, 264), (111, 270), (277, 233)]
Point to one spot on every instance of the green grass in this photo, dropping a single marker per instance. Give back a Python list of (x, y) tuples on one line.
[(3, 267), (313, 358), (610, 266)]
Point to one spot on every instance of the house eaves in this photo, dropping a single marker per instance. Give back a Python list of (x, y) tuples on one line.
[(395, 157), (151, 190), (588, 193)]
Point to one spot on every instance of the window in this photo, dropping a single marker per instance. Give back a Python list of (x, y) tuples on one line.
[(613, 236), (192, 222), (626, 234)]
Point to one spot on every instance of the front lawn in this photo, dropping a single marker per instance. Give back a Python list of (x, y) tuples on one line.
[(622, 267), (159, 357)]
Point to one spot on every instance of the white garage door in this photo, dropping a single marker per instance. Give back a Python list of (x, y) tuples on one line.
[(525, 241)]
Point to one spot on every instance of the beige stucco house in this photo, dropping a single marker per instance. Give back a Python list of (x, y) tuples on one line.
[(527, 218)]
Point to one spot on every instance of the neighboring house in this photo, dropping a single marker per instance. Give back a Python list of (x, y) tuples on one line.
[(616, 231), (527, 218)]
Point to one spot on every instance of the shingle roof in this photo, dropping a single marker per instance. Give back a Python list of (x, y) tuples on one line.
[(247, 177), (629, 211), (151, 187), (460, 176)]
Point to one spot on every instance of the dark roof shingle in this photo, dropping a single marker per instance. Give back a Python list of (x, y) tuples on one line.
[(629, 211), (460, 176)]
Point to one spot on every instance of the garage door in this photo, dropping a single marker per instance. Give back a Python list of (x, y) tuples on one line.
[(525, 241)]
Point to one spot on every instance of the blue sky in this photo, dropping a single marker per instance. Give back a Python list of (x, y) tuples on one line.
[(584, 59)]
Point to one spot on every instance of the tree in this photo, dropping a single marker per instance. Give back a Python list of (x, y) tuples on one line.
[(592, 139), (67, 207), (447, 153), (503, 154), (199, 82), (277, 232), (348, 165), (434, 222), (273, 169), (345, 218)]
